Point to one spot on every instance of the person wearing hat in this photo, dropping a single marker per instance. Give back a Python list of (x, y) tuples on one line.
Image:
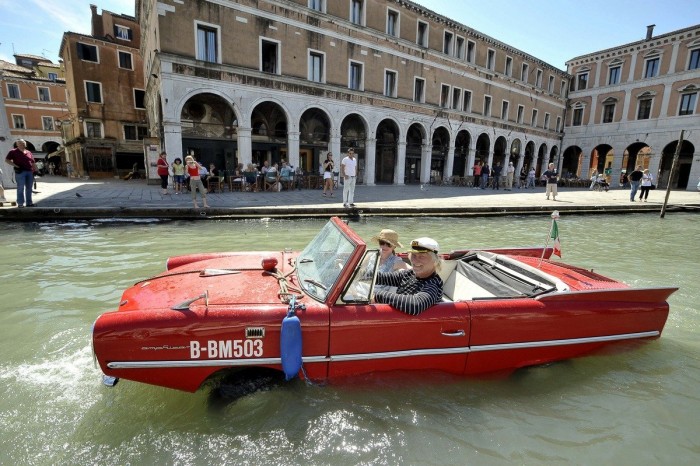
[(417, 288), (388, 260)]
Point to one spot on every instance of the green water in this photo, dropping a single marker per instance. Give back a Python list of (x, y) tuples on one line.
[(635, 407)]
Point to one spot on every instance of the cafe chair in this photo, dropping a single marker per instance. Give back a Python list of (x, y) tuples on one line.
[(272, 180)]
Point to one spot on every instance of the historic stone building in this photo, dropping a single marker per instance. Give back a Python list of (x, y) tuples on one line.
[(419, 96), (33, 98), (105, 124), (628, 105)]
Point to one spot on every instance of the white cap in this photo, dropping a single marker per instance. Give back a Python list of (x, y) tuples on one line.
[(425, 244)]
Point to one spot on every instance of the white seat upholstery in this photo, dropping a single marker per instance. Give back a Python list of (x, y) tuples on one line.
[(457, 287)]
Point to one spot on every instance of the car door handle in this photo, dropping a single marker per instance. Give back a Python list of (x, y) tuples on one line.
[(456, 333)]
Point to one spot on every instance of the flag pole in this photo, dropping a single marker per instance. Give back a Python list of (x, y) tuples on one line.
[(555, 217)]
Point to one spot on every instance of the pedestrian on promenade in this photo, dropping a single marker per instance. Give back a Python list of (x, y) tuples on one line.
[(163, 168), (635, 179), (530, 178), (328, 175), (594, 178), (348, 170), (485, 172), (496, 175), (193, 169), (647, 181), (552, 178), (510, 173), (178, 175), (476, 171), (23, 163)]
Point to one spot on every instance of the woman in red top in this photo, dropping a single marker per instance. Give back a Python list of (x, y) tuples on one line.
[(163, 171), (192, 168)]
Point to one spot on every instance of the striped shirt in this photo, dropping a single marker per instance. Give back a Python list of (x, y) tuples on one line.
[(413, 295)]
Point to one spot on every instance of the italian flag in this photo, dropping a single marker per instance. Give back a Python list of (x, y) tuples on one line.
[(555, 236)]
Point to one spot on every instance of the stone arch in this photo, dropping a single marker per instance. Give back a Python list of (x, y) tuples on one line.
[(386, 151), (440, 147), (571, 161), (415, 138), (500, 152), (314, 137), (353, 133), (462, 142), (681, 176), (483, 148), (269, 123)]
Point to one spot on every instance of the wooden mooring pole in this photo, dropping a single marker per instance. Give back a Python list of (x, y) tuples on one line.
[(673, 171)]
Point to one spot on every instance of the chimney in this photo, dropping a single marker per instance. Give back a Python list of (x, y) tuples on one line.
[(650, 31)]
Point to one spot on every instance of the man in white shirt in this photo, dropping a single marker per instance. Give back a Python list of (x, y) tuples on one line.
[(348, 170)]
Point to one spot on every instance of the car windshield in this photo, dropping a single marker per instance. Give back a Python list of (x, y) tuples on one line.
[(319, 265)]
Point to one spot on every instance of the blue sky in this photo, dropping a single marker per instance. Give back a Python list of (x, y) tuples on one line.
[(551, 30)]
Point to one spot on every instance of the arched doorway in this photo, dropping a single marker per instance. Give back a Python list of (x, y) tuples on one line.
[(314, 135), (386, 152), (414, 149), (353, 133), (269, 133), (571, 162), (438, 155), (685, 161), (529, 160), (209, 127), (602, 160), (500, 151), (483, 147), (459, 167)]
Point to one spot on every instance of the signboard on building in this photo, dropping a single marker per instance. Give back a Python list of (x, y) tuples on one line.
[(151, 149)]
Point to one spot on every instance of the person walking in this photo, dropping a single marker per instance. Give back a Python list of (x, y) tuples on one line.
[(552, 178), (193, 168), (530, 178), (23, 163), (647, 181), (485, 172), (496, 175), (635, 179), (328, 175), (348, 170), (162, 168), (510, 173)]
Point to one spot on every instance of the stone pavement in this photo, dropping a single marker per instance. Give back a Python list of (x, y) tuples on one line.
[(58, 198)]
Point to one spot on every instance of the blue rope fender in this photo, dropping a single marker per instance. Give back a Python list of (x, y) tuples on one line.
[(290, 343)]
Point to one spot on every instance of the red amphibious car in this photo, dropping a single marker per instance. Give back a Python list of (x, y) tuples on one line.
[(503, 309)]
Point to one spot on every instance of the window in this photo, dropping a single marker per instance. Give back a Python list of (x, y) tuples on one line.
[(550, 86), (471, 51), (13, 91), (422, 34), (644, 110), (651, 68), (524, 72), (504, 110), (538, 80), (318, 5), (582, 81), (356, 12), (93, 129), (456, 98), (87, 52), (509, 66), (122, 32), (688, 102), (93, 92), (44, 94), (546, 121), (487, 105), (578, 117), (491, 59), (459, 48), (269, 57), (125, 60), (419, 90), (392, 23), (467, 103), (207, 43), (521, 112), (445, 96), (390, 83), (562, 89), (614, 75), (608, 110), (139, 96), (355, 78), (18, 121), (135, 133), (534, 118), (694, 62), (447, 43), (558, 125), (53, 77), (316, 67), (47, 123)]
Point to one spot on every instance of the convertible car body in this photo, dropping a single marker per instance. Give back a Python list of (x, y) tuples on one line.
[(502, 310)]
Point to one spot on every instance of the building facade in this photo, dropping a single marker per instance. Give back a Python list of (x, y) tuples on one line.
[(33, 92), (628, 105), (105, 124), (418, 96)]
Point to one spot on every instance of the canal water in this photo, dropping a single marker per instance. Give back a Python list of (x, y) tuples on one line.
[(639, 406)]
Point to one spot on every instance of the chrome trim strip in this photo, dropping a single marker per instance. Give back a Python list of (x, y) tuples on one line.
[(383, 355)]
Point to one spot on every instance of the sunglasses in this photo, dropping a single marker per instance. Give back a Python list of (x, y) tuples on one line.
[(384, 243)]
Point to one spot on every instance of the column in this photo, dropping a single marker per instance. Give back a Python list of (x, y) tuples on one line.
[(425, 159), (293, 148), (245, 146), (449, 163), (370, 156), (400, 172), (334, 147), (172, 139)]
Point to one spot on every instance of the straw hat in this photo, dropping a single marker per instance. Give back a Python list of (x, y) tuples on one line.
[(390, 236)]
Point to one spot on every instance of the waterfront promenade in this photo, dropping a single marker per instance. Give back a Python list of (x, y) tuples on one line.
[(58, 198)]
